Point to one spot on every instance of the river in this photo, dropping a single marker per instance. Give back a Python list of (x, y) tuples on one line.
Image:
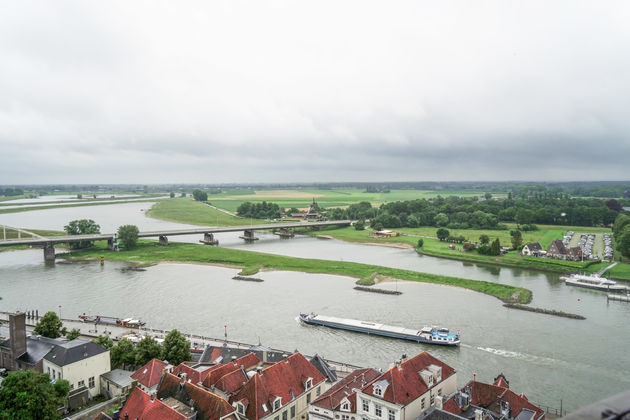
[(547, 358)]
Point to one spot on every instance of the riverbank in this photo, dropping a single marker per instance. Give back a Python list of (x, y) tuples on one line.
[(79, 204), (435, 248), (148, 251)]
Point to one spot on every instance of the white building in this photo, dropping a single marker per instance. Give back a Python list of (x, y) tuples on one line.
[(407, 389), (80, 362)]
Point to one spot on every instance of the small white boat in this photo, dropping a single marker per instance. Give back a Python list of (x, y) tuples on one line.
[(593, 282)]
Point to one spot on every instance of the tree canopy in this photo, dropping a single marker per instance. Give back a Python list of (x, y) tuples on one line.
[(200, 195), (123, 354), (442, 234), (74, 333), (176, 348), (104, 341), (147, 349), (128, 236), (49, 325), (82, 227), (262, 210), (26, 394)]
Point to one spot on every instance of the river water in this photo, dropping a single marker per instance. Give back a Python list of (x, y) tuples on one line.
[(547, 358)]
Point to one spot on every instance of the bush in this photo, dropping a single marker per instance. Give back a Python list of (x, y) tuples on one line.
[(199, 195), (529, 227), (128, 236), (420, 242), (360, 225)]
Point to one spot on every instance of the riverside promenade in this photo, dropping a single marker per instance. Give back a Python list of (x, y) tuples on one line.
[(197, 342)]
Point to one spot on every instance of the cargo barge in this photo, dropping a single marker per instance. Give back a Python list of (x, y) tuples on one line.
[(108, 320), (427, 335)]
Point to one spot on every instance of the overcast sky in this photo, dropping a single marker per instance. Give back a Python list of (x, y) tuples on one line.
[(310, 91)]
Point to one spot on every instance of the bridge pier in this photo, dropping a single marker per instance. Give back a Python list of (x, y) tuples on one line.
[(248, 235), (49, 252), (284, 233), (163, 240), (208, 239)]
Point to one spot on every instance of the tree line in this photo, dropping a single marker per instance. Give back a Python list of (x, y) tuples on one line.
[(262, 210), (621, 234), (464, 212)]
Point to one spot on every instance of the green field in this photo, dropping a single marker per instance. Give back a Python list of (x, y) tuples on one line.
[(434, 247), (91, 202), (301, 198), (149, 251), (186, 210)]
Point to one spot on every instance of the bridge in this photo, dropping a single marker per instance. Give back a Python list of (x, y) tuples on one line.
[(208, 235)]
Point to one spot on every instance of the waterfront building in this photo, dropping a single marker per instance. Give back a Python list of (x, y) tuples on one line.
[(80, 362), (149, 375), (557, 250), (533, 249), (483, 401), (141, 405), (406, 390), (340, 401)]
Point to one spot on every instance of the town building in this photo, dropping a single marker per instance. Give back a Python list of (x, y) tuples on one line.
[(80, 362), (406, 390), (149, 375), (116, 383), (534, 249), (340, 401), (557, 250), (143, 406)]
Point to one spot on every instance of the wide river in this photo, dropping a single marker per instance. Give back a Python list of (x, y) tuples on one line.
[(547, 358)]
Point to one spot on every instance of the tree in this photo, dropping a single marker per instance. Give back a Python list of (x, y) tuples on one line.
[(360, 225), (79, 196), (104, 341), (82, 227), (146, 350), (376, 226), (517, 238), (172, 194), (495, 248), (440, 219), (49, 326), (128, 236), (123, 354), (199, 195), (420, 242), (26, 394), (623, 242), (183, 194), (614, 205), (442, 234), (487, 196), (176, 348), (74, 333), (484, 239)]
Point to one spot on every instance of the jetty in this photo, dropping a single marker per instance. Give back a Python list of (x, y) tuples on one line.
[(622, 298)]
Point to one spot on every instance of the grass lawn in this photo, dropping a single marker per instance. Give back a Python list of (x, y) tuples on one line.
[(149, 251), (187, 210), (87, 203)]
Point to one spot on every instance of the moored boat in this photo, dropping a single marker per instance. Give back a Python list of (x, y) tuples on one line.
[(593, 282), (427, 335), (108, 320)]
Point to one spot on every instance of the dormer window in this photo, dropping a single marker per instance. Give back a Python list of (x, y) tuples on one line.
[(277, 404), (308, 384), (378, 391), (345, 406), (240, 408)]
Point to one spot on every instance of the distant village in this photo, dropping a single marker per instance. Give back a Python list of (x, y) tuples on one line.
[(257, 383)]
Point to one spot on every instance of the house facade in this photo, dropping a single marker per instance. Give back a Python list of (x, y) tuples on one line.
[(407, 390), (557, 250), (533, 249), (80, 362)]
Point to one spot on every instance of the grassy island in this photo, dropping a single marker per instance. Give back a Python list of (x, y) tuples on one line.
[(149, 251)]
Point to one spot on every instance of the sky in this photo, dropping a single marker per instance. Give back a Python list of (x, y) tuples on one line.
[(313, 91)]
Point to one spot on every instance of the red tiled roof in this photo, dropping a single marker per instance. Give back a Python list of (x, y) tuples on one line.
[(139, 406), (332, 398), (500, 382), (194, 375), (488, 396), (248, 361), (232, 382), (278, 380), (216, 353), (406, 384), (149, 375)]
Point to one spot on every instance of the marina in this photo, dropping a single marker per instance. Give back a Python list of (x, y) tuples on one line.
[(427, 335)]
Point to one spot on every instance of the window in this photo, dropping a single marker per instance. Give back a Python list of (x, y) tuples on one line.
[(108, 385), (378, 391), (71, 386), (293, 411), (422, 404), (240, 408), (345, 406), (284, 415), (48, 370), (54, 374), (440, 392), (276, 404), (276, 418), (345, 417), (391, 415), (377, 410), (366, 405), (309, 383), (308, 398), (432, 397), (91, 382), (80, 384), (318, 391)]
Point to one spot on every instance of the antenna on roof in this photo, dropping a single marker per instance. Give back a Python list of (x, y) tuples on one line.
[(259, 343), (225, 332)]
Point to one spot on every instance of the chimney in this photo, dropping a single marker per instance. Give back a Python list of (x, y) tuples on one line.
[(152, 396), (399, 364), (438, 402), (478, 414), (404, 357), (17, 333), (234, 360), (259, 370)]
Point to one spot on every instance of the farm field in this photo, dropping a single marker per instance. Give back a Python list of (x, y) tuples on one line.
[(186, 210), (301, 198)]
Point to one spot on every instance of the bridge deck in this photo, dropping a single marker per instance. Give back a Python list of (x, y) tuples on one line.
[(176, 232)]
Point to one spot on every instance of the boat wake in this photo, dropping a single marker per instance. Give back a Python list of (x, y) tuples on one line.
[(522, 356)]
